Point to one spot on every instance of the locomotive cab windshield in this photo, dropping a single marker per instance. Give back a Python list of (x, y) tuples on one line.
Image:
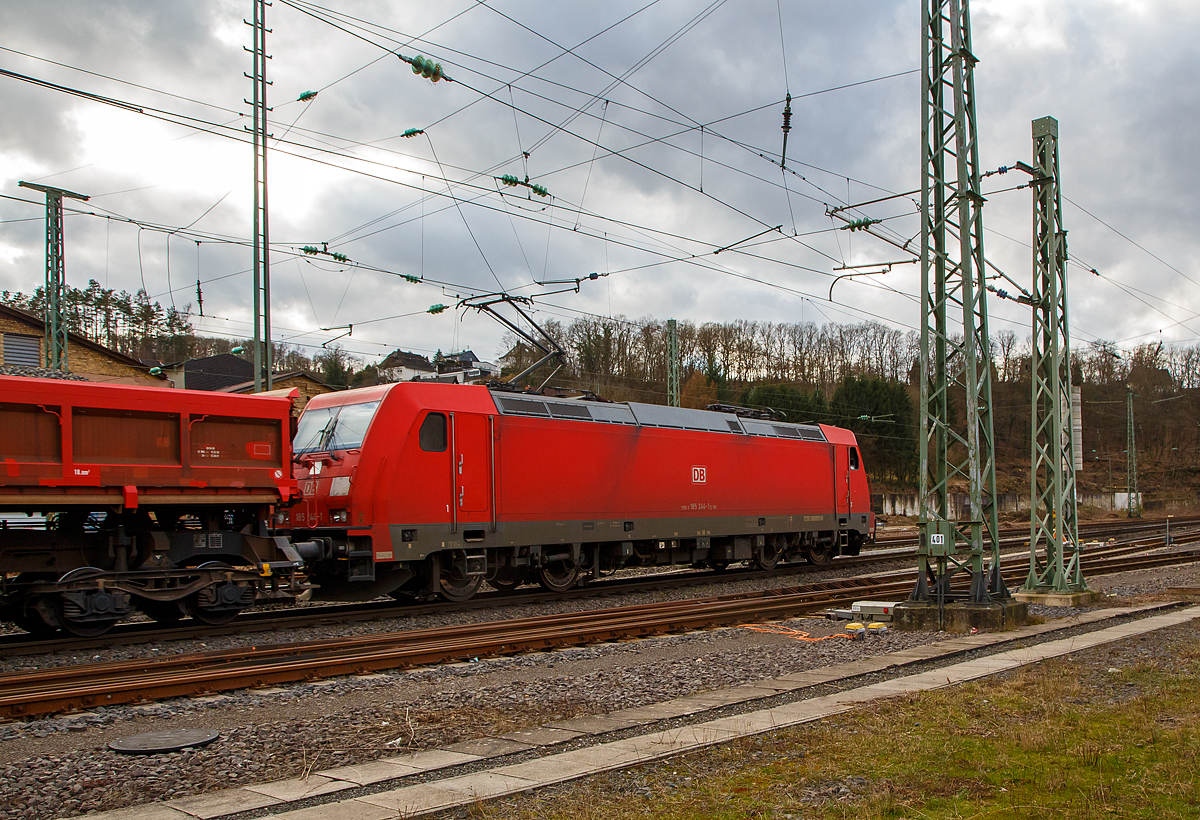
[(341, 427)]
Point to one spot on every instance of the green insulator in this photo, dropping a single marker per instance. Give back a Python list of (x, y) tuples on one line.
[(340, 257), (412, 132), (435, 309), (860, 224), (509, 179), (418, 64), (411, 278), (306, 96), (310, 250), (539, 190)]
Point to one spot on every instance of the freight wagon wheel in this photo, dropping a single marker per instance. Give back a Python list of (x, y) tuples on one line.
[(820, 554), (200, 606), (69, 619), (558, 576), (32, 622), (33, 615), (217, 604), (73, 619)]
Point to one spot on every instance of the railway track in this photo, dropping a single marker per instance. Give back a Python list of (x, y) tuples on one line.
[(269, 619), (1088, 531), (263, 620), (39, 692)]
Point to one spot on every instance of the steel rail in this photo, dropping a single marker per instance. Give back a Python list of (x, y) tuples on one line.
[(262, 620), (266, 619), (62, 688), (822, 589)]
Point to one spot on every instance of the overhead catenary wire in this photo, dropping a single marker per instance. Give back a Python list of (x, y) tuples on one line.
[(139, 228), (361, 143), (559, 128), (548, 222)]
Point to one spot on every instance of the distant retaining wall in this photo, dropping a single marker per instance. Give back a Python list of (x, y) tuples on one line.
[(907, 503)]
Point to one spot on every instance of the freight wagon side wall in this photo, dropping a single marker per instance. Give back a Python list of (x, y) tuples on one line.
[(76, 443)]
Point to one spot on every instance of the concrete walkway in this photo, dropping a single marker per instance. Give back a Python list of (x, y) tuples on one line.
[(451, 791)]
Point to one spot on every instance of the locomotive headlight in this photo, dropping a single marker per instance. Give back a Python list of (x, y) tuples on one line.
[(340, 485), (339, 516), (281, 517)]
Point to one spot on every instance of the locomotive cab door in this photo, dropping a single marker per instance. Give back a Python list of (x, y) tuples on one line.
[(472, 467), (842, 469)]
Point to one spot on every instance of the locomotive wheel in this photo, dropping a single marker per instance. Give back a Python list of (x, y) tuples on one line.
[(820, 554), (768, 557), (558, 576), (457, 590), (506, 581)]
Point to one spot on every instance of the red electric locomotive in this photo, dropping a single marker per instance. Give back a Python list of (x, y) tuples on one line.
[(114, 498), (423, 488)]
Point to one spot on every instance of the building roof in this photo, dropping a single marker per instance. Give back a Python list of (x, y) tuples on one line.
[(248, 387), (39, 324), (215, 372), (403, 358)]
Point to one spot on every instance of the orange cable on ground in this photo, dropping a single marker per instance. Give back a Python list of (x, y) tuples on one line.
[(794, 634)]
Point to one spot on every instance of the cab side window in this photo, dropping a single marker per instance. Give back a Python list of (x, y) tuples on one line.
[(433, 433), (853, 458)]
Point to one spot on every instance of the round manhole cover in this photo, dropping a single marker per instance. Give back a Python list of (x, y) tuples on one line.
[(171, 740)]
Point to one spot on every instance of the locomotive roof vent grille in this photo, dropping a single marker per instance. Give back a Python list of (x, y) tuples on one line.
[(569, 411), (803, 432), (612, 414), (682, 418), (523, 406), (654, 415)]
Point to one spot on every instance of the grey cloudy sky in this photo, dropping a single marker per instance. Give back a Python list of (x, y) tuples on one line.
[(638, 189)]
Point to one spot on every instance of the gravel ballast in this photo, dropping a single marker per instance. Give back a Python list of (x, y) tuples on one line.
[(61, 767)]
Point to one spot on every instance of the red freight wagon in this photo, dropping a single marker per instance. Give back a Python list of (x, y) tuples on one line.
[(141, 496), (423, 488)]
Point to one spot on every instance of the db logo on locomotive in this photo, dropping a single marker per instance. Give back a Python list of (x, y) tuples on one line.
[(699, 475)]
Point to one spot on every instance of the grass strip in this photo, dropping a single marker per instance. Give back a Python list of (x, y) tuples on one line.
[(1113, 732)]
